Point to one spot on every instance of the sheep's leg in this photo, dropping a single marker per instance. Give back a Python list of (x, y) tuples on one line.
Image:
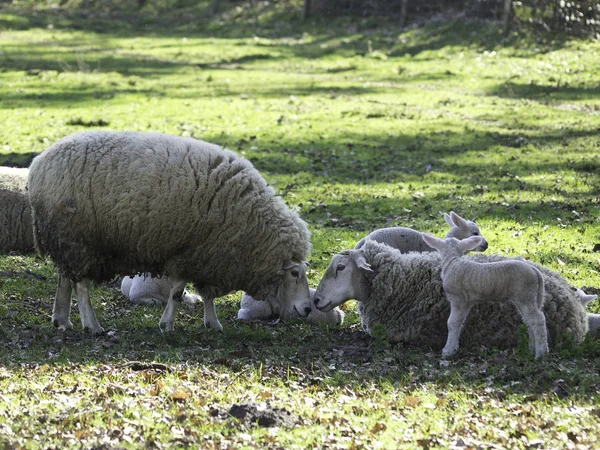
[(210, 315), (459, 310), (536, 327), (167, 319), (62, 304), (86, 312)]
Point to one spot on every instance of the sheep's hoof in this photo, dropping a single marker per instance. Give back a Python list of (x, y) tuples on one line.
[(166, 327), (218, 327), (94, 332), (448, 353), (62, 326)]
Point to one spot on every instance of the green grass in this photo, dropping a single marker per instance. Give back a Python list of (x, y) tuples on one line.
[(358, 125)]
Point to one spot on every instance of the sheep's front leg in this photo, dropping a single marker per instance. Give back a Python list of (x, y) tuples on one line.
[(535, 320), (459, 310), (167, 319), (210, 315), (86, 312), (62, 305)]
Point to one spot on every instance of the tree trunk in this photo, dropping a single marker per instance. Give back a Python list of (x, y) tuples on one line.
[(307, 9), (213, 8), (506, 16), (403, 12)]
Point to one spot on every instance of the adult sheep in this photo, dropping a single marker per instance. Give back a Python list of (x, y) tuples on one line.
[(13, 178), (403, 292), (107, 203), (15, 222)]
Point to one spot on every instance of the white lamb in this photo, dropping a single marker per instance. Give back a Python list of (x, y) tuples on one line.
[(468, 283), (593, 319), (152, 290)]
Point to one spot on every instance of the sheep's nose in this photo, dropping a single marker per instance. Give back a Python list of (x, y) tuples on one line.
[(317, 300), (307, 310)]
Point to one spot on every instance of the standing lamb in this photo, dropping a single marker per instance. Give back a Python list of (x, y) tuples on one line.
[(409, 240), (251, 309), (107, 203), (468, 283), (16, 233), (404, 294)]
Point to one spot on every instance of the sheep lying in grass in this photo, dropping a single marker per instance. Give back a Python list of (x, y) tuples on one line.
[(404, 294), (13, 178), (107, 203), (467, 283), (409, 240), (16, 232), (593, 319), (152, 290), (251, 309)]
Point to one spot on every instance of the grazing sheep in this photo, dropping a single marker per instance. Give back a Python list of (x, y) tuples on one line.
[(593, 319), (16, 232), (107, 203), (13, 178), (468, 283), (251, 309), (409, 240), (404, 294), (152, 290)]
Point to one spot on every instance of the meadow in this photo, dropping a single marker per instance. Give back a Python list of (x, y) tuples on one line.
[(358, 124)]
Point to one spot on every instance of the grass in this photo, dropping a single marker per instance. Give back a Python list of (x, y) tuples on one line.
[(359, 125)]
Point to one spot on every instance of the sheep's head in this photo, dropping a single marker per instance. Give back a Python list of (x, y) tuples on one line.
[(342, 280), (583, 297), (463, 229), (451, 246), (293, 294)]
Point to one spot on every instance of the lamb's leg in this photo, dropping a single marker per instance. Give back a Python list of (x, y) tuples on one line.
[(86, 312), (62, 304), (175, 297), (210, 315), (536, 326), (459, 310)]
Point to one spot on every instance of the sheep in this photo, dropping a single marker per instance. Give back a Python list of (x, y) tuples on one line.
[(467, 283), (251, 309), (13, 178), (16, 232), (593, 319), (404, 294), (409, 240), (152, 290), (107, 203)]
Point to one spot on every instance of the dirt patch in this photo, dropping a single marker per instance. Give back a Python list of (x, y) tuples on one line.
[(261, 414)]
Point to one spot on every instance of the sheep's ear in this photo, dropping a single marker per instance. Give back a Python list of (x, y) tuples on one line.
[(585, 299), (466, 245), (448, 219), (432, 241), (361, 262), (457, 220), (288, 265)]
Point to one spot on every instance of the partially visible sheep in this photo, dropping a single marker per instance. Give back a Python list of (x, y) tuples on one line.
[(251, 309), (468, 283), (13, 178), (409, 240), (152, 290), (107, 203), (16, 232), (593, 319), (404, 293)]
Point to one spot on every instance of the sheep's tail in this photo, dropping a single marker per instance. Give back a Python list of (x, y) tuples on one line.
[(540, 292)]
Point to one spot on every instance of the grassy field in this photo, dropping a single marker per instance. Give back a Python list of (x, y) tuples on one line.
[(358, 125)]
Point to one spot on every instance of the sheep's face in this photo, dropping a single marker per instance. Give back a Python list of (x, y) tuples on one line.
[(294, 294), (463, 229), (341, 281)]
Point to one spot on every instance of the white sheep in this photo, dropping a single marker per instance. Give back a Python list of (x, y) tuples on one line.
[(468, 283), (409, 240), (593, 319), (152, 290), (16, 233), (251, 309), (107, 203), (13, 178), (403, 295)]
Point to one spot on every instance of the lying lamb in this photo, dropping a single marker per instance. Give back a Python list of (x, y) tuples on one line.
[(409, 240), (251, 309), (468, 283), (107, 203), (152, 290), (403, 292), (16, 233)]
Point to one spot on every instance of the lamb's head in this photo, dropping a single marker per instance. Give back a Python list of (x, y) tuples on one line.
[(462, 229), (583, 297), (293, 293), (450, 246), (342, 280)]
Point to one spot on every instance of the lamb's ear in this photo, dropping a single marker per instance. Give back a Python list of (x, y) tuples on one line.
[(361, 262), (448, 220), (585, 299), (432, 241), (457, 220), (466, 245)]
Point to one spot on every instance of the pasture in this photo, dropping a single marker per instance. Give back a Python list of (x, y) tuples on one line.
[(358, 124)]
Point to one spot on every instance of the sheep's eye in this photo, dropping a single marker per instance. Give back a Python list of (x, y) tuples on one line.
[(295, 273), (476, 233), (340, 267)]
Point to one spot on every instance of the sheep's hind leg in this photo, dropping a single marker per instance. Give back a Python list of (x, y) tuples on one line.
[(86, 312), (167, 319), (459, 311), (535, 320), (210, 315), (62, 305)]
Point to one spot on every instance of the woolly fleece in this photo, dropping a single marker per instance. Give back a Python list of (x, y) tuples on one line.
[(16, 232)]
